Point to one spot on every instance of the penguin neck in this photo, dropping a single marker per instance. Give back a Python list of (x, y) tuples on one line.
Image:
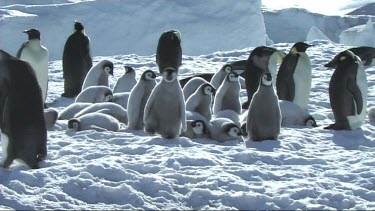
[(34, 44)]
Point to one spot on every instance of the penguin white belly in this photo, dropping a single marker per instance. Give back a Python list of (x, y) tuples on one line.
[(4, 144), (356, 121), (39, 62), (302, 81)]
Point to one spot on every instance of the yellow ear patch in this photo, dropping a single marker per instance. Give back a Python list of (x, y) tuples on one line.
[(342, 58)]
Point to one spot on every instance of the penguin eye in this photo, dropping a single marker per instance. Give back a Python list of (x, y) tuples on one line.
[(310, 122), (107, 69), (75, 125), (199, 124), (109, 98)]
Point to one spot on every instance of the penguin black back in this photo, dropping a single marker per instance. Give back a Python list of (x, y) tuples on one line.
[(169, 52)]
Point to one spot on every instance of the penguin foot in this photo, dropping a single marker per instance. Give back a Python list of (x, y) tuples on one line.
[(336, 127)]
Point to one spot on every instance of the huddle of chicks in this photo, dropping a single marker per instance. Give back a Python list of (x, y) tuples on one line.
[(208, 105)]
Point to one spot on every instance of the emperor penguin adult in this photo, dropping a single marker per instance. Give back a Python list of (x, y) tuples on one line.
[(347, 91), (95, 94), (37, 55), (138, 98), (169, 52), (126, 82), (201, 100), (165, 108), (23, 128), (257, 64), (366, 53), (264, 116), (76, 61), (228, 95), (293, 82), (98, 74)]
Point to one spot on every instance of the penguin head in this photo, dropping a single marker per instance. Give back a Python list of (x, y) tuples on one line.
[(300, 47), (232, 77), (148, 75), (260, 56), (32, 34), (208, 89), (342, 59), (310, 121), (169, 74), (227, 68), (232, 129), (129, 69), (74, 124), (78, 27), (108, 67), (199, 127), (266, 79), (108, 97)]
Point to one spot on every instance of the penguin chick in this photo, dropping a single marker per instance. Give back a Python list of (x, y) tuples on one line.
[(192, 85), (138, 98), (293, 115), (98, 74), (94, 121), (95, 94), (126, 82), (223, 129), (228, 95), (109, 108), (69, 111), (200, 101), (196, 129)]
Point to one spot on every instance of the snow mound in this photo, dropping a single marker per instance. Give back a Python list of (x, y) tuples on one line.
[(315, 34), (362, 35)]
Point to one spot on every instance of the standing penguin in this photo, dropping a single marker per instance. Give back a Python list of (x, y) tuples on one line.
[(347, 91), (126, 82), (76, 61), (264, 116), (192, 85), (220, 75), (228, 95), (169, 52), (293, 81), (138, 98), (98, 74), (165, 109), (37, 55), (200, 101), (257, 64), (23, 128)]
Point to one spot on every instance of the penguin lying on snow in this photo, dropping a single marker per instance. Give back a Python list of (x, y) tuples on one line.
[(347, 91), (95, 94), (94, 121), (293, 115), (23, 128), (109, 108), (71, 110)]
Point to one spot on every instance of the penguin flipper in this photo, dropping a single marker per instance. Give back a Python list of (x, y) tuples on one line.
[(150, 103), (183, 110), (357, 95), (99, 129), (284, 81), (19, 52)]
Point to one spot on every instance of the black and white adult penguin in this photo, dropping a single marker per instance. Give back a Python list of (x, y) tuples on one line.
[(98, 74), (201, 100), (126, 82), (109, 108), (347, 91), (95, 94), (23, 128), (165, 108), (76, 61), (138, 98), (257, 64), (169, 52), (94, 121), (264, 116), (37, 55), (228, 95), (293, 82), (366, 53)]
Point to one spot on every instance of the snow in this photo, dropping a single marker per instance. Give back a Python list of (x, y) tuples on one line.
[(116, 27), (363, 35), (307, 168)]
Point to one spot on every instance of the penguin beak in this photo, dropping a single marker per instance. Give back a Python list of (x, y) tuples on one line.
[(331, 64)]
